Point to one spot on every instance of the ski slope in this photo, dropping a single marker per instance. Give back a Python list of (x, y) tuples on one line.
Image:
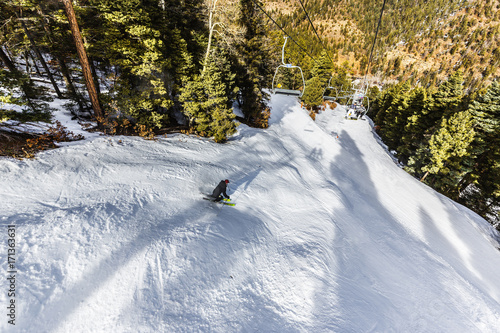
[(328, 235)]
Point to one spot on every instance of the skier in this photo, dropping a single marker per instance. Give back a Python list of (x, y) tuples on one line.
[(221, 188)]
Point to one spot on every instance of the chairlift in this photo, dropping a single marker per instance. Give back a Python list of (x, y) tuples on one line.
[(356, 108), (279, 90), (339, 94), (329, 87)]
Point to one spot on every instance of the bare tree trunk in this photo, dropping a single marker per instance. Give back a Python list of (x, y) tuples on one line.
[(221, 17), (82, 55), (211, 27), (40, 58), (425, 176)]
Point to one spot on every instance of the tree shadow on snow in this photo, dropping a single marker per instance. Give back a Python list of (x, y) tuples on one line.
[(383, 271), (179, 270)]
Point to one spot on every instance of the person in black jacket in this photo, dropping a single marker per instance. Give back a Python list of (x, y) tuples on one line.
[(220, 190)]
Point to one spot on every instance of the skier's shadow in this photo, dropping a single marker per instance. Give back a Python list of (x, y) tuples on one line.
[(244, 182)]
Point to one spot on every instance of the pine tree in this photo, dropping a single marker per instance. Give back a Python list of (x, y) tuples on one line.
[(221, 92), (486, 110), (412, 136), (192, 98), (208, 97), (322, 68), (486, 172), (341, 82), (21, 89), (137, 38), (449, 151), (446, 100), (382, 103), (313, 95), (253, 65), (321, 73), (438, 108), (396, 115), (391, 116)]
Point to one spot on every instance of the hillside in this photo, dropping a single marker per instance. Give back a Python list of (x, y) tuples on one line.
[(423, 41), (328, 235)]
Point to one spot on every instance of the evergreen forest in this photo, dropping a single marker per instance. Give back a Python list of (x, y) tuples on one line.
[(139, 67), (149, 67)]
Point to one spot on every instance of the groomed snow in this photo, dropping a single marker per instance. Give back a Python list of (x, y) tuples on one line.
[(328, 235)]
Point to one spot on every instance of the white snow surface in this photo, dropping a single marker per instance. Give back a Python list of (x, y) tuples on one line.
[(328, 235)]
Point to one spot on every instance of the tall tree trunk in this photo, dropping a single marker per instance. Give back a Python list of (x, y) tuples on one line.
[(7, 62), (94, 72), (69, 83), (25, 86), (30, 56), (84, 62), (464, 183), (31, 64), (40, 58), (27, 65), (61, 62)]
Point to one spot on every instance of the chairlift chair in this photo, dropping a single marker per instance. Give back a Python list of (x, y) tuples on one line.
[(329, 87), (282, 91), (356, 109), (345, 94)]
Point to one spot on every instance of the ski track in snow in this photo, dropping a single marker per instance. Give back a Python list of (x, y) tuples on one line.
[(328, 235)]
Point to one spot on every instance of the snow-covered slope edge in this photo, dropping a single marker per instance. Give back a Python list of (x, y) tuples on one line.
[(327, 235)]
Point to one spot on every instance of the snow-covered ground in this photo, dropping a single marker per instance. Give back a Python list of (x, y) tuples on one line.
[(327, 235)]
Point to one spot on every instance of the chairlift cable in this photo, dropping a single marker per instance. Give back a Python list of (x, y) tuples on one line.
[(314, 29), (374, 41), (293, 40)]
